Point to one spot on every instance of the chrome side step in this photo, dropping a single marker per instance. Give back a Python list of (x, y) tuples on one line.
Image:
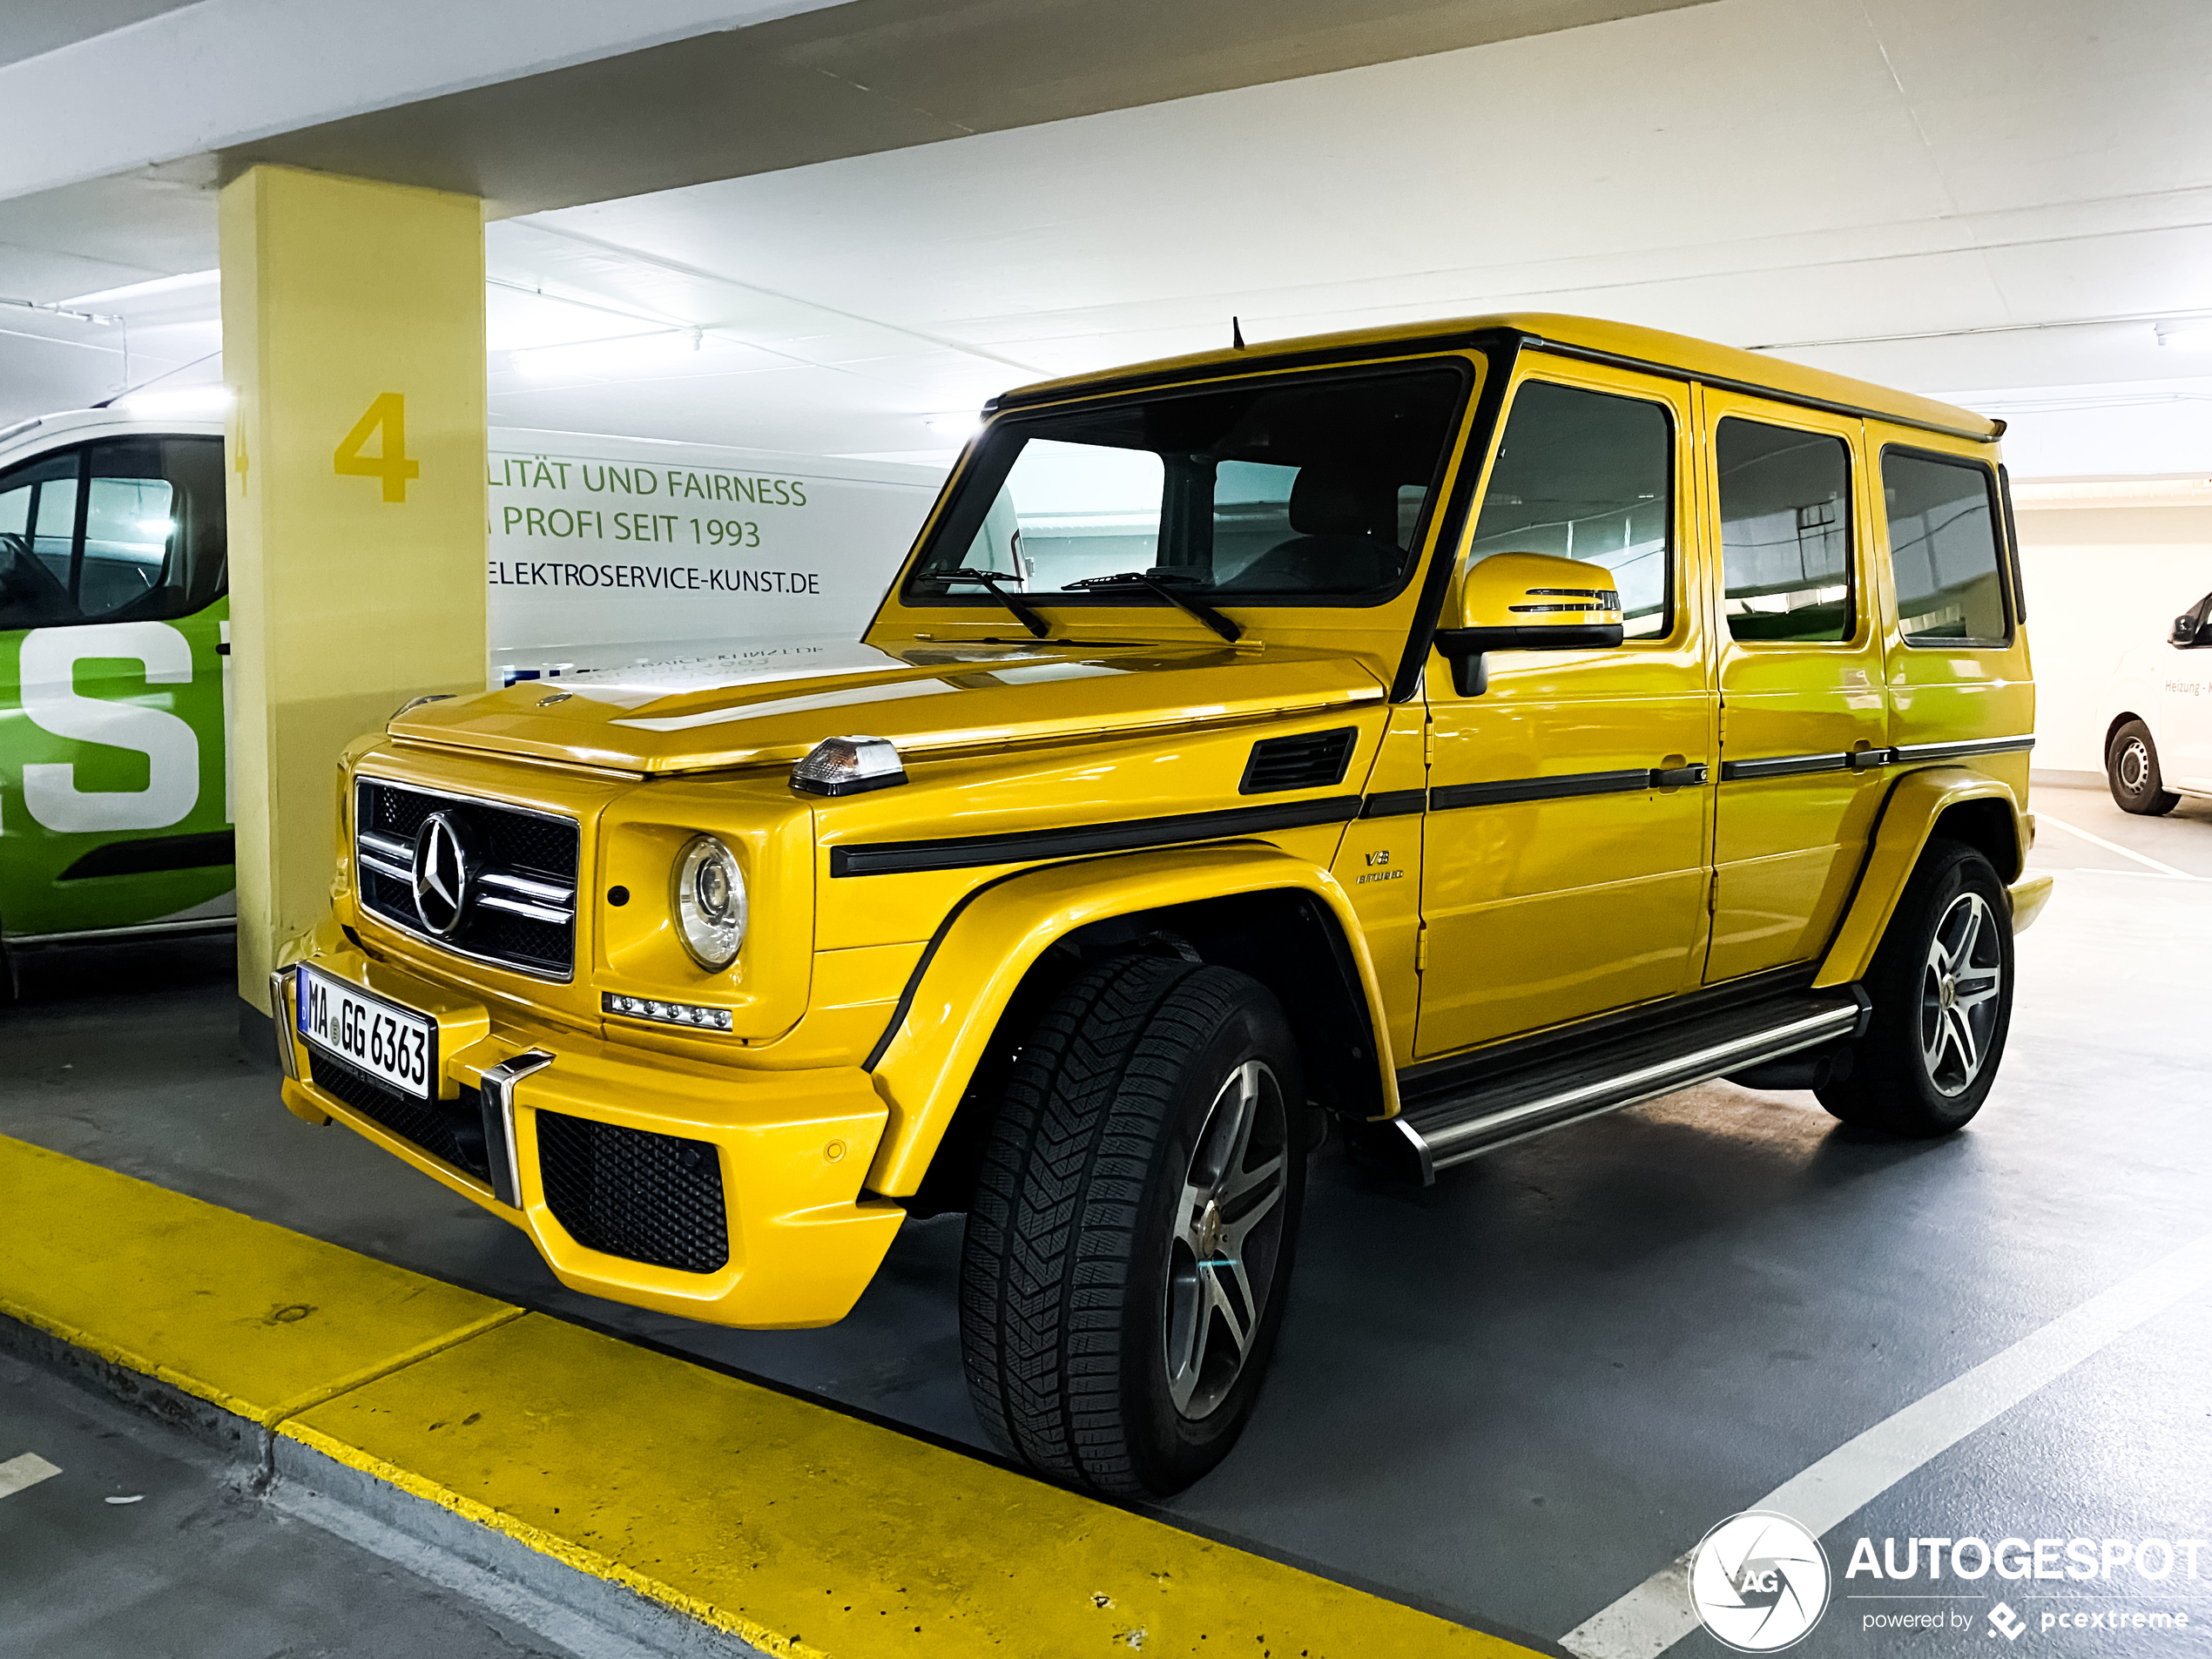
[(1526, 1099)]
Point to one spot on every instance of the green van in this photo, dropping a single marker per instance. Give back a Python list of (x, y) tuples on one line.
[(114, 801)]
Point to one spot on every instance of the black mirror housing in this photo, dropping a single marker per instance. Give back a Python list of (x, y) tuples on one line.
[(1468, 648)]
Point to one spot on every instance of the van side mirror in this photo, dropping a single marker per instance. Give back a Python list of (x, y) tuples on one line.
[(1526, 602), (2186, 630)]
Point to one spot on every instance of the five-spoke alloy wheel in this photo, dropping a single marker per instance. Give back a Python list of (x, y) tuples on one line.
[(1960, 990), (1227, 1239), (1942, 989), (1131, 1237)]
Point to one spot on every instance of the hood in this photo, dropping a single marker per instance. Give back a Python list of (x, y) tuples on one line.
[(711, 714)]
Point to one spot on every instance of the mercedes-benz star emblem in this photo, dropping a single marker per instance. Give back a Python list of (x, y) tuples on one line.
[(445, 867)]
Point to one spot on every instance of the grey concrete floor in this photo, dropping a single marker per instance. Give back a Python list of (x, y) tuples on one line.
[(1511, 1398), (143, 1546)]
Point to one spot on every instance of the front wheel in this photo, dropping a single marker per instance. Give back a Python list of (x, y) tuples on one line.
[(1942, 989), (1130, 1242), (2131, 772)]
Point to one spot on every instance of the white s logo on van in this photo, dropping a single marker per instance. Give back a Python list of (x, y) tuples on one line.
[(51, 698)]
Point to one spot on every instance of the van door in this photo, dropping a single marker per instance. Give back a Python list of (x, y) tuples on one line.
[(113, 806), (1565, 861), (1804, 713)]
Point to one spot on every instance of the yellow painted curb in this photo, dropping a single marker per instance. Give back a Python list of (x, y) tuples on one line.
[(803, 1531), (807, 1532), (253, 1317)]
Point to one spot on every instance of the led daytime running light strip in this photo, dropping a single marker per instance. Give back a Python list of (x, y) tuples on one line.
[(649, 1007)]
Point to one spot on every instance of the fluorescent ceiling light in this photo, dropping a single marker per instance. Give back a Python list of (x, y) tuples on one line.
[(178, 403), (962, 424), (143, 290), (2187, 333)]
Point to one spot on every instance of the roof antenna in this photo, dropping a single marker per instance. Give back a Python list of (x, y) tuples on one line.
[(1236, 335)]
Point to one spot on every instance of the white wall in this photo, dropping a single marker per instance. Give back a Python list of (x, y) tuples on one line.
[(2108, 564)]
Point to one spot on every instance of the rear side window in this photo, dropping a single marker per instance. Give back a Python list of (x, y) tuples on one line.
[(1785, 533), (1944, 552), (1585, 474), (125, 529)]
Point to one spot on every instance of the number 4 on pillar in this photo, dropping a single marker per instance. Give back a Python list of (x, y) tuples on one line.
[(388, 413)]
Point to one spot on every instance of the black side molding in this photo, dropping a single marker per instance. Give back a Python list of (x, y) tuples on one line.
[(1023, 846)]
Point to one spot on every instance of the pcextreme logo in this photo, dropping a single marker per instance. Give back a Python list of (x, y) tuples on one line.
[(1758, 1581)]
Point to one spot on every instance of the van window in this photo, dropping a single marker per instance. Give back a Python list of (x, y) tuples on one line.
[(125, 529), (1943, 551), (1585, 474), (1785, 532)]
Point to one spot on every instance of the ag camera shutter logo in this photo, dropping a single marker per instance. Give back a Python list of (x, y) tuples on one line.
[(1758, 1581)]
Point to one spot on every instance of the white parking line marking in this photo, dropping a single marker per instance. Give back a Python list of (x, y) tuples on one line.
[(25, 1471), (2042, 817), (1655, 1614)]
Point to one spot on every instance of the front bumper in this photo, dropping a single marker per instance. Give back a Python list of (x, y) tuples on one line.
[(749, 1179)]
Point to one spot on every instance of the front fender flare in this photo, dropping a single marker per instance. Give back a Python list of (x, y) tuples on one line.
[(976, 961), (1908, 818)]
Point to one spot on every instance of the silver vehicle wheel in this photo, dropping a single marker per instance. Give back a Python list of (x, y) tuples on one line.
[(2135, 765), (1227, 1239), (1958, 993)]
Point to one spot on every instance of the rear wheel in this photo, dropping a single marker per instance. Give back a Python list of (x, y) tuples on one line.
[(2131, 771), (1942, 988), (1130, 1238)]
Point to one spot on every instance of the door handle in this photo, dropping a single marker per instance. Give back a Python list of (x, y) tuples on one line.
[(1678, 776)]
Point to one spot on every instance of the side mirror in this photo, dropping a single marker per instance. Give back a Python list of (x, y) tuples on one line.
[(2186, 630), (1526, 602)]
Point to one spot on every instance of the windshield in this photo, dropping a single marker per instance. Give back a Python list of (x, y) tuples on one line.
[(1272, 495)]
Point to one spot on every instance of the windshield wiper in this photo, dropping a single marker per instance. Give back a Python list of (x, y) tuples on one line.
[(1163, 582), (991, 579)]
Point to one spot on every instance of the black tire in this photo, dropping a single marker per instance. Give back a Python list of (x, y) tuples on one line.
[(2132, 773), (1909, 1072), (1080, 1235)]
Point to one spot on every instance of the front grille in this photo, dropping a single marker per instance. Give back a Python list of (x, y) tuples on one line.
[(649, 1197), (521, 908), (453, 1134), (1310, 760)]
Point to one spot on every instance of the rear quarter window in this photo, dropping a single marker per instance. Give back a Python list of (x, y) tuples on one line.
[(1944, 554)]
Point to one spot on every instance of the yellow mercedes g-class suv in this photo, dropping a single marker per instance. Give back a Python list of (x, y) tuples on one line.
[(1455, 731)]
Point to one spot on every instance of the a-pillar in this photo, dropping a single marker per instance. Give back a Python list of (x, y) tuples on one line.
[(354, 339)]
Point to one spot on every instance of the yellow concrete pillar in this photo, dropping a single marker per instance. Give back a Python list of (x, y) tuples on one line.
[(353, 337)]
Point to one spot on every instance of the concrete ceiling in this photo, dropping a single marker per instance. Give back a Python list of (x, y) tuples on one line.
[(1999, 198), (35, 27)]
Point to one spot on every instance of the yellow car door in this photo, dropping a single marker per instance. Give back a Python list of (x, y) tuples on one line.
[(1960, 682), (1565, 865), (1805, 714)]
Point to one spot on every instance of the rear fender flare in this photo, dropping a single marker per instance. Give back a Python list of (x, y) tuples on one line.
[(1916, 804), (974, 967)]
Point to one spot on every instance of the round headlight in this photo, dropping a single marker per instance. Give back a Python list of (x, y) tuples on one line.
[(710, 902)]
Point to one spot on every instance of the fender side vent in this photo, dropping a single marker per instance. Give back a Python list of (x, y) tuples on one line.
[(1310, 760)]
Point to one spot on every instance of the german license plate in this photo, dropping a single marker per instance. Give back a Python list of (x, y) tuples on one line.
[(380, 1038)]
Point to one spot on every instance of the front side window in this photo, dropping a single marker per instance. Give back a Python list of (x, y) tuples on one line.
[(1585, 475), (1271, 495), (125, 529), (1785, 533), (1944, 552)]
